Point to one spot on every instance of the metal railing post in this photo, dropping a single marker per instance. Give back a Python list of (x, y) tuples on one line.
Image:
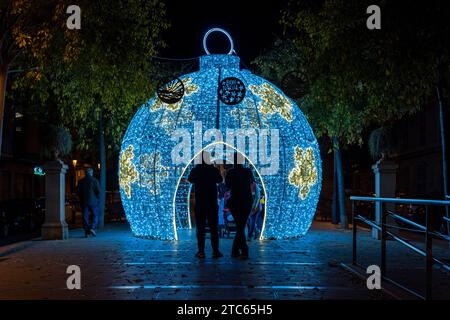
[(447, 215), (354, 258), (383, 240), (383, 229), (429, 254)]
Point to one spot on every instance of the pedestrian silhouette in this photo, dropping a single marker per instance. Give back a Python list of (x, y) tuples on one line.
[(88, 192), (254, 213), (239, 180), (205, 177)]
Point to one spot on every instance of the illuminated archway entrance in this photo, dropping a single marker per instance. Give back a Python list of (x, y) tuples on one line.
[(180, 217)]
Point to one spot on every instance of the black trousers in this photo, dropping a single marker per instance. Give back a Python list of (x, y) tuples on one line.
[(240, 215), (201, 216)]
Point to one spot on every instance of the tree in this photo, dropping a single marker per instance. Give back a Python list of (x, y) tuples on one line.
[(57, 143), (26, 29), (102, 72), (359, 77)]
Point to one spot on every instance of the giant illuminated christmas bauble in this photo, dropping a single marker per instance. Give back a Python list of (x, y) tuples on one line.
[(207, 107)]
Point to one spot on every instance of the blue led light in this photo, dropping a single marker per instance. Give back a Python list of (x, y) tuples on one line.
[(149, 179)]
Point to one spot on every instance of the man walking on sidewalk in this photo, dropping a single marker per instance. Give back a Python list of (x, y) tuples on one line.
[(88, 191)]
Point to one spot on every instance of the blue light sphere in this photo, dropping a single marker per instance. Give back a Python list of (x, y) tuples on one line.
[(286, 160)]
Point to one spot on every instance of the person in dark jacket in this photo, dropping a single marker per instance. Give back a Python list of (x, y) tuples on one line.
[(205, 178), (239, 180), (89, 191)]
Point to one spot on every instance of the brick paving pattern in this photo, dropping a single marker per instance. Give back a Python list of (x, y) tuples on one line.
[(116, 265)]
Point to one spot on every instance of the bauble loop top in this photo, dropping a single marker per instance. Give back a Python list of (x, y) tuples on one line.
[(205, 37)]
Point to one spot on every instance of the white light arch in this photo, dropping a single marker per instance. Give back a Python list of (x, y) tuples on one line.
[(175, 229)]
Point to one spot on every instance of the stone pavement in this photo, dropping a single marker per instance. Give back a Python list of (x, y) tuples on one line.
[(116, 265)]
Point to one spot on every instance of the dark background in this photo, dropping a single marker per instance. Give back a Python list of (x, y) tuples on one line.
[(253, 25)]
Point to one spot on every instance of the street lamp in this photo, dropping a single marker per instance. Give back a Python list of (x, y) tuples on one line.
[(75, 181)]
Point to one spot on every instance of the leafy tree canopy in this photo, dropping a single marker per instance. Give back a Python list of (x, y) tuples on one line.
[(105, 68), (357, 77)]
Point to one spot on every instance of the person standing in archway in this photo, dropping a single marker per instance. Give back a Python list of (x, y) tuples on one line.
[(254, 213), (205, 178), (239, 180)]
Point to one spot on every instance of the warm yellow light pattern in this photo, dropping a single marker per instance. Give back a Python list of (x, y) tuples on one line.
[(189, 88), (304, 174), (272, 101), (152, 172), (127, 170), (248, 116), (170, 120)]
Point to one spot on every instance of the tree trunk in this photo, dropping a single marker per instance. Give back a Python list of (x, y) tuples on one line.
[(3, 81), (340, 184), (101, 220), (334, 211), (444, 132)]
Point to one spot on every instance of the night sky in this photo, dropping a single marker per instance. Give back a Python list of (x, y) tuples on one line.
[(253, 26)]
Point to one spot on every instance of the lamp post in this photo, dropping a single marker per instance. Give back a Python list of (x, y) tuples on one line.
[(74, 163)]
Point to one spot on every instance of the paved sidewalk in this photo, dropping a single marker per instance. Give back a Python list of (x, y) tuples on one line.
[(116, 265)]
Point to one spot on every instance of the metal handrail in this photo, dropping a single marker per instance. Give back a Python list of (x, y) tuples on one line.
[(402, 200), (412, 223), (427, 229), (417, 225), (404, 228), (402, 241)]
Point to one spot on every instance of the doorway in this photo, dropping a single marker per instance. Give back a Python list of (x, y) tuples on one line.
[(184, 196)]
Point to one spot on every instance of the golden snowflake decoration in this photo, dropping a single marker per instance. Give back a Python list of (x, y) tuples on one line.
[(189, 89), (272, 101), (127, 173), (169, 121), (152, 172), (248, 116), (304, 173)]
